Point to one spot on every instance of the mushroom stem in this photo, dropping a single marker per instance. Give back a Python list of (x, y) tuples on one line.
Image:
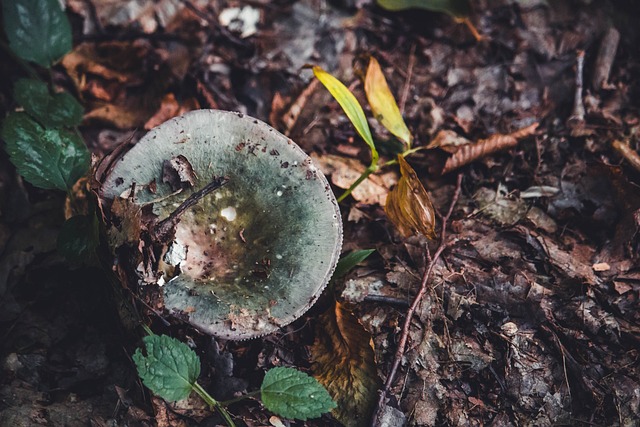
[(166, 226)]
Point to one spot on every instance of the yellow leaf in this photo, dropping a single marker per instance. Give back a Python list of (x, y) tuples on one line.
[(383, 104), (349, 104), (344, 362), (409, 206)]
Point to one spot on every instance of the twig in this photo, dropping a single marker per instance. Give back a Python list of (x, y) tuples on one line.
[(628, 153), (164, 227), (402, 342), (290, 117), (606, 56), (578, 108), (407, 82)]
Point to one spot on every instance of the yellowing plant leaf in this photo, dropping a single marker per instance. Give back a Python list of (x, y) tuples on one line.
[(383, 104), (409, 206), (349, 104), (456, 8), (344, 362)]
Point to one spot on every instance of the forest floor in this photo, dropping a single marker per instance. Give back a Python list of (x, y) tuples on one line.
[(530, 314)]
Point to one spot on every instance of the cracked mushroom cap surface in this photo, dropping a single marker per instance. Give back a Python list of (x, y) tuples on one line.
[(252, 256)]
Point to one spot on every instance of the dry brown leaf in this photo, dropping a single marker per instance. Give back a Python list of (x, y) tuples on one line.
[(345, 171), (409, 206), (448, 141), (472, 152), (344, 362), (169, 108), (121, 83)]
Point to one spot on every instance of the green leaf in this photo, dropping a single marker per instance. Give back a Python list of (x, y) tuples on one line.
[(170, 368), (455, 8), (349, 261), (52, 111), (349, 104), (294, 394), (383, 104), (38, 30), (78, 239), (50, 159)]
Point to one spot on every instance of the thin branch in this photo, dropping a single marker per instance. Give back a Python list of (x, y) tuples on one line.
[(402, 342), (164, 227)]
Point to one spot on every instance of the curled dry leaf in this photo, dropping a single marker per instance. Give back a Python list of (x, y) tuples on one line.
[(472, 152), (344, 362), (409, 206)]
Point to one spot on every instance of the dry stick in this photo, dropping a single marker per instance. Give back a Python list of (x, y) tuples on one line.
[(402, 342), (164, 227), (407, 83), (606, 56), (628, 153), (578, 107)]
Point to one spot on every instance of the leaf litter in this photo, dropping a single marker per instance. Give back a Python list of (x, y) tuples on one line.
[(516, 325)]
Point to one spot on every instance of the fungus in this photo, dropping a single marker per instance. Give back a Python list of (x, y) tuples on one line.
[(239, 231)]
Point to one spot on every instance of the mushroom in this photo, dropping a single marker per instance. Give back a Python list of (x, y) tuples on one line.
[(240, 261)]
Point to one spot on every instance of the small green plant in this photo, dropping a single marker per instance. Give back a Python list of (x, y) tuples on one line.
[(170, 370), (43, 141), (408, 205)]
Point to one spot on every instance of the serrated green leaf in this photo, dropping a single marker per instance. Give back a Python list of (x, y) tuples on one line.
[(383, 104), (38, 30), (170, 368), (455, 8), (349, 104), (78, 239), (294, 394), (349, 261), (49, 159), (52, 111)]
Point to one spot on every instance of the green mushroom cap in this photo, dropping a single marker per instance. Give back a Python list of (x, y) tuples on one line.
[(252, 256)]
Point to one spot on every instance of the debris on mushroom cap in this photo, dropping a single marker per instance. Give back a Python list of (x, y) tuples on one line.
[(251, 256)]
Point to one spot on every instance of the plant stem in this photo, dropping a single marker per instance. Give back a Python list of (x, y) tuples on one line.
[(413, 150), (213, 404), (371, 169), (239, 398)]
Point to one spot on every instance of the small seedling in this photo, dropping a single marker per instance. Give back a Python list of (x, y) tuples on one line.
[(170, 370), (408, 204)]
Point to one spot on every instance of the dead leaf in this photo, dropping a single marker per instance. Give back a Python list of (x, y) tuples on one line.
[(498, 142), (178, 173), (344, 172), (121, 83), (343, 361), (448, 140), (170, 108), (409, 206), (601, 266)]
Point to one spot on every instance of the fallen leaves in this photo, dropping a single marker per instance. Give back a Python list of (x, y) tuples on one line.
[(125, 84), (343, 361), (344, 171), (409, 206), (484, 147)]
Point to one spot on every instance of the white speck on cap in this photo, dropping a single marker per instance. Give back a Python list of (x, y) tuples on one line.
[(229, 213)]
